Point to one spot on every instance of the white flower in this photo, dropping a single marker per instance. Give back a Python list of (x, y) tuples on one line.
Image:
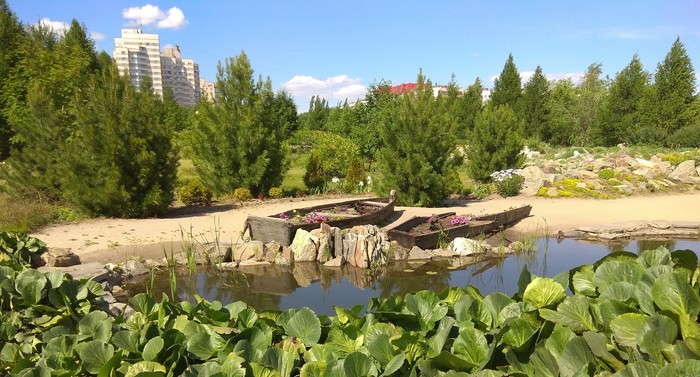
[(369, 180), (361, 183), (335, 180)]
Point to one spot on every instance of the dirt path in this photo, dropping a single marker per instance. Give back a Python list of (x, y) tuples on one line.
[(111, 240)]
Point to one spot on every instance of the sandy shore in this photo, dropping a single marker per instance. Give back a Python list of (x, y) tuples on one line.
[(112, 240)]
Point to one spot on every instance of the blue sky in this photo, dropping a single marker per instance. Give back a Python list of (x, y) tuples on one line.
[(336, 49)]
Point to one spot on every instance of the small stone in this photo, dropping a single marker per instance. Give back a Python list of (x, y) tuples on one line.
[(516, 246), (58, 257), (465, 246), (335, 262), (135, 268), (417, 253)]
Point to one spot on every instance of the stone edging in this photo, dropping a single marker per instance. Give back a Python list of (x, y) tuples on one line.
[(666, 229)]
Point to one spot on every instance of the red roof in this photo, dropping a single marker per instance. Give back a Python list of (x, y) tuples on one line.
[(403, 88)]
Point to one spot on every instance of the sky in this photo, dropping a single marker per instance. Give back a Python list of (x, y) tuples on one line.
[(337, 49)]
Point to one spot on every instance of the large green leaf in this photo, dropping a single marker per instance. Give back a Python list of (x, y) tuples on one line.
[(96, 325), (627, 327), (146, 368), (573, 312), (495, 302), (574, 357), (544, 363), (461, 308), (598, 344), (305, 326), (346, 340), (582, 281), (612, 309), (427, 306), (357, 364), (657, 257), (620, 291), (394, 364), (381, 350), (613, 271), (30, 284), (685, 258), (671, 292), (514, 310), (449, 361), (559, 338), (639, 369), (518, 334), (681, 368), (657, 333), (543, 292), (437, 341), (471, 345), (204, 345), (152, 348), (126, 340), (94, 354)]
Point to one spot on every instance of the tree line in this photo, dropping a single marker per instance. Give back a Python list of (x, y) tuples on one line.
[(73, 130)]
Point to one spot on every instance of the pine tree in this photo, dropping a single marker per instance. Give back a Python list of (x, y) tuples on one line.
[(11, 36), (534, 101), (417, 157), (590, 97), (120, 160), (507, 88), (674, 85), (496, 144), (621, 114), (317, 116), (469, 105), (238, 141)]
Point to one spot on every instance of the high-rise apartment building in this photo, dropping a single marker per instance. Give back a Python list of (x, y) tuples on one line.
[(208, 90), (181, 75), (138, 54)]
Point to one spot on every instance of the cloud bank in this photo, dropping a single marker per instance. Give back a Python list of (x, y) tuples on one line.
[(58, 27), (151, 15), (333, 89)]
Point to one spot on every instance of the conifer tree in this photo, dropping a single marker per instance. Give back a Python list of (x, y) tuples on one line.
[(590, 97), (496, 144), (468, 106), (561, 118), (507, 88), (238, 141), (417, 157), (621, 113), (534, 101), (120, 160), (11, 35), (674, 85)]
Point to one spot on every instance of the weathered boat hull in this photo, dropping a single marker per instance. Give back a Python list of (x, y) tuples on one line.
[(480, 225), (274, 228)]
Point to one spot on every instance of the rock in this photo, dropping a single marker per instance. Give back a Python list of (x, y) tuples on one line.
[(550, 167), (286, 258), (305, 273), (337, 242), (644, 163), (252, 263), (58, 257), (108, 298), (625, 189), (585, 174), (245, 251), (134, 267), (517, 246), (684, 172), (533, 180), (304, 247), (325, 243), (117, 290), (661, 168), (600, 164), (569, 234), (443, 253), (582, 185), (271, 251), (335, 262), (119, 308), (465, 246), (644, 172), (417, 253)]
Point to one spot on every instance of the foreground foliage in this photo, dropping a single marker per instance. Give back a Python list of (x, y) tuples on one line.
[(628, 315)]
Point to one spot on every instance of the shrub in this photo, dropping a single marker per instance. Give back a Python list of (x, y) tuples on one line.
[(606, 173), (508, 182), (195, 193), (496, 144), (481, 190), (242, 194), (355, 179), (315, 176), (275, 193)]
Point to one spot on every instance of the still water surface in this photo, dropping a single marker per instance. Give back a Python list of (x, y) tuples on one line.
[(320, 288)]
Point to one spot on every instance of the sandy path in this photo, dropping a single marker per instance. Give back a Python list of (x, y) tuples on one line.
[(109, 240)]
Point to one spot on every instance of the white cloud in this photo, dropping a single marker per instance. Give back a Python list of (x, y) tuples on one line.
[(623, 33), (333, 89), (97, 36), (58, 27), (152, 15)]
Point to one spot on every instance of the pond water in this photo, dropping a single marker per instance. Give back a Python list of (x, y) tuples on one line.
[(320, 288)]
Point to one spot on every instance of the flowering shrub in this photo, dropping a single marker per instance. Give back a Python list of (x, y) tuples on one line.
[(194, 194), (508, 182)]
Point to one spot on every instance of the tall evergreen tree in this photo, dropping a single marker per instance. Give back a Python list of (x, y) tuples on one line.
[(507, 88), (11, 35), (674, 85), (416, 159), (534, 101), (621, 115), (42, 85), (238, 141), (496, 144), (120, 160), (468, 106), (559, 128), (590, 97), (317, 116)]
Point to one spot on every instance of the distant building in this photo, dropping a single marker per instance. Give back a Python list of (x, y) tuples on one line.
[(181, 75), (208, 90), (412, 87), (138, 55)]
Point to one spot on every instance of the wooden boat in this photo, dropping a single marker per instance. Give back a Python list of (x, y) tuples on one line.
[(282, 227), (406, 236)]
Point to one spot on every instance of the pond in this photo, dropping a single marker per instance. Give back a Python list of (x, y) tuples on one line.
[(320, 288)]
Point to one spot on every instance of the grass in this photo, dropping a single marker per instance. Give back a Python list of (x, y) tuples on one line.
[(18, 215), (293, 181), (186, 171)]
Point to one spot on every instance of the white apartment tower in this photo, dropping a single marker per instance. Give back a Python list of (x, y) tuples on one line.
[(181, 75), (138, 54), (208, 90)]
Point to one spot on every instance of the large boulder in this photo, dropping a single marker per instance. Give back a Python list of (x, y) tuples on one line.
[(685, 172), (534, 179), (465, 246), (58, 257), (245, 251), (305, 246), (325, 242)]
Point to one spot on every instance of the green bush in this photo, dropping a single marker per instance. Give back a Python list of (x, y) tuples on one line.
[(275, 193), (355, 178), (242, 194), (315, 176), (481, 190), (195, 194), (606, 173), (496, 144), (508, 182)]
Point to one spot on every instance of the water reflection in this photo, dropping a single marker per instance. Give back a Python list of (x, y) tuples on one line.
[(321, 288)]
